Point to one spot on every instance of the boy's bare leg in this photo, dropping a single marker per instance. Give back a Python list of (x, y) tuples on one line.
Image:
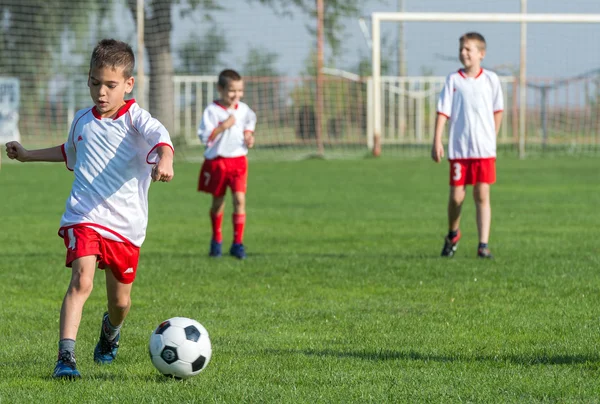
[(119, 299), (218, 205), (455, 201), (481, 194), (80, 288), (239, 203)]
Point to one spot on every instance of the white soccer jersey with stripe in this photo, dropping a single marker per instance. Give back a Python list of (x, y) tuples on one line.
[(229, 143), (470, 104), (112, 160)]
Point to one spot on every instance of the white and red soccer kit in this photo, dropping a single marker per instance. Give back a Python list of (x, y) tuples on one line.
[(470, 103), (225, 162), (112, 160)]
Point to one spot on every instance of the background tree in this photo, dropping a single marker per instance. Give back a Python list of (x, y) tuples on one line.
[(34, 61), (200, 54)]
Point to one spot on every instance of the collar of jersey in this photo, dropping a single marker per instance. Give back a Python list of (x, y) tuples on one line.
[(224, 107), (464, 76), (120, 112)]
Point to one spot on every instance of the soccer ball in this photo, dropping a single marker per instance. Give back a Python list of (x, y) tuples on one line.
[(180, 348)]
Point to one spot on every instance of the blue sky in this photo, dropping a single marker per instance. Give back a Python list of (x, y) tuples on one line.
[(555, 50)]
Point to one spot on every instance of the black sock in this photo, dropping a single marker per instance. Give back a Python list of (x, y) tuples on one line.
[(452, 234), (66, 345), (483, 245)]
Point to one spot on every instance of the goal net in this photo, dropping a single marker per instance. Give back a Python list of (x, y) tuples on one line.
[(551, 90), (44, 62)]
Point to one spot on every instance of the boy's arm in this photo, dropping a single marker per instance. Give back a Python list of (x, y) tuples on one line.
[(497, 121), (437, 149), (15, 151), (163, 169), (222, 127)]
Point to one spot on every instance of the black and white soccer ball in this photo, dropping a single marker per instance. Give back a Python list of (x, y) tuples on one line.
[(180, 348)]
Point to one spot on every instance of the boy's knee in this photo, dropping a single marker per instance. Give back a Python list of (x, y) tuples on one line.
[(120, 303), (81, 285)]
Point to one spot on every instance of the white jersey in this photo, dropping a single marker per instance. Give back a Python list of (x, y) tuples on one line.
[(229, 143), (112, 160), (470, 104)]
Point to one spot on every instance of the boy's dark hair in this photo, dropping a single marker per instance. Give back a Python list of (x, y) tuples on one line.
[(112, 53), (474, 36), (227, 76)]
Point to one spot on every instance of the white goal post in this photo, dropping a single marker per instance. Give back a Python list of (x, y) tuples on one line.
[(523, 18)]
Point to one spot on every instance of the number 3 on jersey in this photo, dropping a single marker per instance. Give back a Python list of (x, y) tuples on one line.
[(457, 172)]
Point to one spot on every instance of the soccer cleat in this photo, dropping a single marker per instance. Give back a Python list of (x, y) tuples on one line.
[(106, 350), (450, 245), (215, 249), (237, 250), (484, 253), (65, 366)]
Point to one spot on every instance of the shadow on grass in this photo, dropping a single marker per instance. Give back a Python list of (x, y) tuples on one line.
[(116, 376), (291, 254), (383, 355)]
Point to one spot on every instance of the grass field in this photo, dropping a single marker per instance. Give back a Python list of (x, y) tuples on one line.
[(343, 297)]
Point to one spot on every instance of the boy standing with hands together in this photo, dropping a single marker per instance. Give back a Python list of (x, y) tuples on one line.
[(227, 129), (473, 103)]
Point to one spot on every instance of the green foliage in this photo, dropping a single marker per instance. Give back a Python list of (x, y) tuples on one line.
[(200, 54), (343, 297), (335, 12)]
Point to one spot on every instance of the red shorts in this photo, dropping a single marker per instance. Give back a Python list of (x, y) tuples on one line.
[(121, 257), (222, 172), (472, 171)]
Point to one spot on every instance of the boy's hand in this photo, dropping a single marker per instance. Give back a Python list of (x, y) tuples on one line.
[(437, 152), (15, 151), (229, 122), (249, 139), (163, 170)]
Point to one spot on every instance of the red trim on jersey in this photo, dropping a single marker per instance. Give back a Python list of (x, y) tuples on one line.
[(120, 112), (463, 75), (441, 113), (61, 231), (498, 111), (156, 147), (223, 106), (75, 126), (64, 153)]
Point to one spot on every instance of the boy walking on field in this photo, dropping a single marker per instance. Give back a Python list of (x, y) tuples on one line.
[(227, 129), (473, 103), (115, 150)]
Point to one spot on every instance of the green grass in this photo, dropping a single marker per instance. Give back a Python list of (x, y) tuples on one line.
[(343, 297)]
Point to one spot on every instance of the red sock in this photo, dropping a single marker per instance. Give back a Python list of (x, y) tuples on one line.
[(239, 220), (216, 220)]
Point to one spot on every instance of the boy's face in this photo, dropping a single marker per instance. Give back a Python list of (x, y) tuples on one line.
[(470, 54), (108, 88), (232, 93)]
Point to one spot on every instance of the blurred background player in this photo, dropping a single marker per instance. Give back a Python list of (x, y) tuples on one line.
[(114, 149), (472, 101), (227, 129)]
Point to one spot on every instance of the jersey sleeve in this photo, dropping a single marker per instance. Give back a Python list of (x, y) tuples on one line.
[(154, 134), (498, 97), (444, 105), (69, 149), (250, 123), (208, 124)]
